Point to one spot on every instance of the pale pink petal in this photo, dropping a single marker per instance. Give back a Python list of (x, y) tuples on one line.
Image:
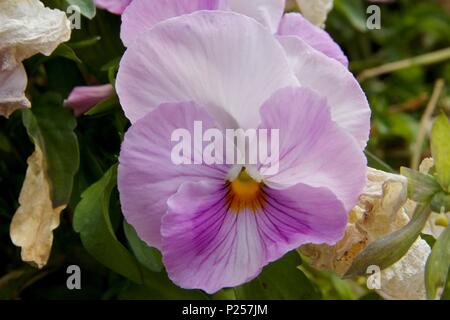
[(209, 247), (12, 87), (113, 6), (222, 60), (83, 98), (267, 12), (313, 149), (348, 103), (294, 24), (143, 14), (147, 176)]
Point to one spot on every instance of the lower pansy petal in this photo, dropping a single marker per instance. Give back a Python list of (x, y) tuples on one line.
[(294, 24), (348, 103), (207, 245), (297, 215), (313, 149), (148, 173)]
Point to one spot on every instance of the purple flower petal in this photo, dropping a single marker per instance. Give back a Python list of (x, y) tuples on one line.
[(348, 103), (147, 177), (83, 98), (314, 150), (294, 24), (113, 6), (267, 12), (207, 246), (218, 59), (143, 14)]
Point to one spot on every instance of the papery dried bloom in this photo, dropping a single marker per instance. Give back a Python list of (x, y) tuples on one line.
[(315, 11), (13, 83), (405, 279), (26, 28), (218, 225), (382, 209)]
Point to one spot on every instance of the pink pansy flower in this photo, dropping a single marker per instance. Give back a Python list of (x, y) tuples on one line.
[(83, 98), (218, 225)]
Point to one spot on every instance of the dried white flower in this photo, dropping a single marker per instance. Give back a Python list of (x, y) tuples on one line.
[(405, 279), (27, 27), (315, 11), (382, 209)]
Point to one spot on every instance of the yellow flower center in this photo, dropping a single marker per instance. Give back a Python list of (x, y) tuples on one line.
[(244, 192)]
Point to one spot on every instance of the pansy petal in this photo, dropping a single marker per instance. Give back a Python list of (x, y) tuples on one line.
[(207, 246), (113, 6), (294, 24), (83, 98), (12, 86), (267, 12), (222, 60), (147, 176), (313, 149), (348, 103), (143, 14)]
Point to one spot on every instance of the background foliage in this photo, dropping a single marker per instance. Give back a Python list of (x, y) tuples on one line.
[(93, 225)]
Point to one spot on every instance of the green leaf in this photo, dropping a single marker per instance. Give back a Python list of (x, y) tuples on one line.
[(390, 248), (84, 43), (91, 219), (67, 52), (441, 202), (421, 187), (280, 280), (104, 106), (51, 126), (147, 256), (87, 7), (440, 148), (354, 12), (376, 163), (438, 265)]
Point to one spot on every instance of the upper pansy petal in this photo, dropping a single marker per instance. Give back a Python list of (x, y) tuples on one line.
[(143, 14), (294, 24), (113, 6), (348, 103), (313, 149), (147, 175), (223, 60), (12, 86), (267, 12), (81, 99), (208, 246)]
